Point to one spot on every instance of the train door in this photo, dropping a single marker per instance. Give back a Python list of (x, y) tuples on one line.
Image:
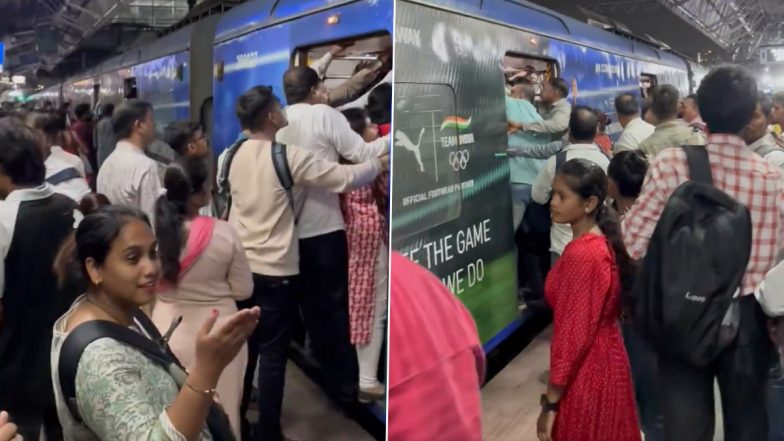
[(527, 69), (369, 51), (129, 89)]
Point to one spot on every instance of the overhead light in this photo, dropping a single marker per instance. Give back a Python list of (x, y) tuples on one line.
[(333, 19)]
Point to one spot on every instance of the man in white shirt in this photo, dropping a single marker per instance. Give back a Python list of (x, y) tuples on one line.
[(64, 171), (582, 129), (635, 130), (128, 176), (324, 131), (759, 138)]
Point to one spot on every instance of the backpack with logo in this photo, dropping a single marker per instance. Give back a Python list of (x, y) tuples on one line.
[(282, 170), (684, 298)]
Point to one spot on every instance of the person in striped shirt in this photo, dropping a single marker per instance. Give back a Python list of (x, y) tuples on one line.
[(728, 98)]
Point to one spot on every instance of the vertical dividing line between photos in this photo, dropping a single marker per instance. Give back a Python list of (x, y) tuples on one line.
[(389, 217)]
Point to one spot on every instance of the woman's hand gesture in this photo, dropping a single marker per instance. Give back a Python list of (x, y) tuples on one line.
[(216, 346)]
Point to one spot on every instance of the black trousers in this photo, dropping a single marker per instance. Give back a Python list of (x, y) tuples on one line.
[(742, 371), (269, 344), (324, 303)]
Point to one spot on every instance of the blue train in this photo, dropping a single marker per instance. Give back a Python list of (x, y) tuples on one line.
[(197, 72), (450, 203)]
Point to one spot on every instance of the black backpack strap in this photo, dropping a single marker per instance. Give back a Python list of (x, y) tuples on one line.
[(281, 163), (223, 175), (699, 165), (63, 175), (86, 333), (560, 158)]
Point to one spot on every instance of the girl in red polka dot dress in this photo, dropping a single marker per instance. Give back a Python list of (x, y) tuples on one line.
[(589, 396)]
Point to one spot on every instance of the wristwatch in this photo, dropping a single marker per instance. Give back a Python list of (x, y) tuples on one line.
[(547, 406)]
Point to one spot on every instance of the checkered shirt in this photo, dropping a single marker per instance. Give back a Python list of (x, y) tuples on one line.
[(738, 172)]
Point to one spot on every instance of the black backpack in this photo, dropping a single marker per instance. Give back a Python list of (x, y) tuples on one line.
[(682, 299), (279, 161), (156, 350)]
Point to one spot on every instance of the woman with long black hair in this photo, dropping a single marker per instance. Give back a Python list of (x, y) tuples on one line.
[(119, 391), (204, 269), (589, 394)]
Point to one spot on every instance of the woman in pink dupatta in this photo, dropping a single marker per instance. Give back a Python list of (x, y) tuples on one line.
[(204, 269)]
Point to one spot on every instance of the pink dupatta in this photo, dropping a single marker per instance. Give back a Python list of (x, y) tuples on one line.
[(198, 240)]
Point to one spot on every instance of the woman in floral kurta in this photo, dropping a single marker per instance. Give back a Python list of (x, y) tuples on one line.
[(368, 258)]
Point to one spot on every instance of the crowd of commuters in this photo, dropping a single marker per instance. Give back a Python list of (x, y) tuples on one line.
[(613, 382), (156, 310)]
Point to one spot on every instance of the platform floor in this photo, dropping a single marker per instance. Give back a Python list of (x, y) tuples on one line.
[(510, 401), (308, 415)]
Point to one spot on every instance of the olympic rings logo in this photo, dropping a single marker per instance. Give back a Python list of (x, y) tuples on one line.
[(459, 159)]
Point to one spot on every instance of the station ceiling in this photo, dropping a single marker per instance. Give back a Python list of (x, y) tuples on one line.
[(732, 30), (58, 37), (61, 35)]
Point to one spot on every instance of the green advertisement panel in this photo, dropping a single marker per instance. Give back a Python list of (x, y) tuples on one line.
[(450, 197)]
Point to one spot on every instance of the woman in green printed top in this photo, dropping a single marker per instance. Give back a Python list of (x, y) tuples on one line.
[(121, 394)]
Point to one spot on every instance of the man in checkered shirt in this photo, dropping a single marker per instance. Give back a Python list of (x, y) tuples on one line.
[(727, 98)]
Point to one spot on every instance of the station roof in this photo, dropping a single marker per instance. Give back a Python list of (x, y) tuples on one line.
[(709, 30), (46, 34)]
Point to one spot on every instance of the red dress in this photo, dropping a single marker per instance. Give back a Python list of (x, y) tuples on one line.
[(587, 356)]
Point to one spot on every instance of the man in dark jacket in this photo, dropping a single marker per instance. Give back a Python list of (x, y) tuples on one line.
[(34, 221)]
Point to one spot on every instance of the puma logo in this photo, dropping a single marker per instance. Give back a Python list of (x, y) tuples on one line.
[(402, 140)]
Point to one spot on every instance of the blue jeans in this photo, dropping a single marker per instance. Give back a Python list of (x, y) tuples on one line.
[(644, 366)]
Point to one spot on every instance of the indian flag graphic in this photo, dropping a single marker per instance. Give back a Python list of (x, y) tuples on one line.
[(456, 121)]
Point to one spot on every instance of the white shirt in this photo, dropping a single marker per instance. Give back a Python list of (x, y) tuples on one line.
[(129, 177), (561, 234), (770, 293), (776, 157), (76, 188), (633, 134), (324, 131), (69, 158)]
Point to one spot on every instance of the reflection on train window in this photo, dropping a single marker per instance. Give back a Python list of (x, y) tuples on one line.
[(647, 82), (370, 51), (519, 67), (429, 157), (129, 88)]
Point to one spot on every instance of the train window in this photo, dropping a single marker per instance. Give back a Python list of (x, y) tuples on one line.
[(129, 88), (647, 82), (219, 67), (432, 146), (535, 69), (357, 53), (181, 71)]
